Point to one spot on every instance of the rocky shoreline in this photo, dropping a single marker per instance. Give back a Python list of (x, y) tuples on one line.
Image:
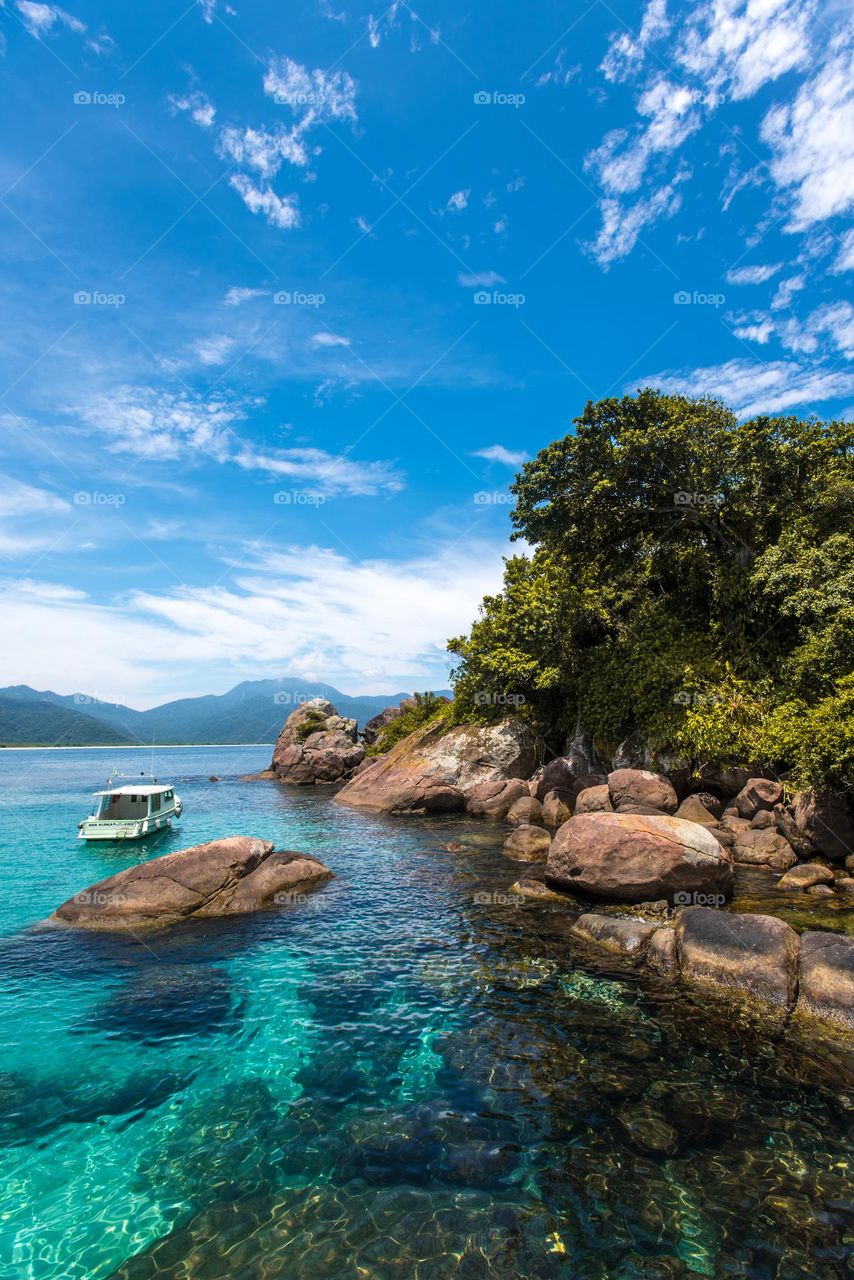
[(625, 835)]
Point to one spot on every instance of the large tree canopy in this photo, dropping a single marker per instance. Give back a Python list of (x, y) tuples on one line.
[(690, 580)]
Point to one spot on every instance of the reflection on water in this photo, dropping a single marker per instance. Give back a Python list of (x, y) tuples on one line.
[(406, 1077)]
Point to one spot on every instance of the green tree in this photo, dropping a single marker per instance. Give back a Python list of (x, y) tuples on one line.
[(691, 579)]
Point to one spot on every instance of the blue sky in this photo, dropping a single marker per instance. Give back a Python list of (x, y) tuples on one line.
[(289, 295)]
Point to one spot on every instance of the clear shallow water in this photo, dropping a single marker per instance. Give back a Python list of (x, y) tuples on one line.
[(405, 1077)]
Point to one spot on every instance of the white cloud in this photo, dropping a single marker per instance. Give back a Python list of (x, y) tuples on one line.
[(280, 211), (48, 591), (753, 275), (480, 279), (845, 260), (367, 626), (314, 96), (760, 332), (161, 426), (622, 226), (237, 295), (754, 387), (28, 517), (262, 150), (41, 18), (458, 201), (197, 104), (214, 350), (326, 339), (785, 291), (740, 45), (208, 9), (497, 453), (812, 141), (626, 51)]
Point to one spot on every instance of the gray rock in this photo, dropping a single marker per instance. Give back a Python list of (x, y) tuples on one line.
[(753, 956), (826, 979)]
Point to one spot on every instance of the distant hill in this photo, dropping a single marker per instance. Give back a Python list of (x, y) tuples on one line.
[(38, 721), (253, 711)]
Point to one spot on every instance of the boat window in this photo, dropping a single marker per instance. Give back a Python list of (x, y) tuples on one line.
[(167, 795), (154, 803)]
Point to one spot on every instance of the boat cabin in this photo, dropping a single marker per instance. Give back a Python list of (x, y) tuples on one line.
[(131, 804)]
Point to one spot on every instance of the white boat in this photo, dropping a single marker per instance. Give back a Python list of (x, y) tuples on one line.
[(131, 811)]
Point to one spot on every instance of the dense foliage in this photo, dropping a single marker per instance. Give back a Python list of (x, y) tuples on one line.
[(690, 580)]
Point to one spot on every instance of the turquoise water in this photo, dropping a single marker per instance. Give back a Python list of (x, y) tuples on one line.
[(408, 1076)]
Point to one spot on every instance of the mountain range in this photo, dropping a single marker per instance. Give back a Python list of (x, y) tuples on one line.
[(253, 711)]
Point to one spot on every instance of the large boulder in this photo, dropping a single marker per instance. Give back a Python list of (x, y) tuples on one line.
[(557, 808), (639, 787), (692, 809), (826, 978), (756, 795), (742, 955), (316, 745), (433, 768), (805, 876), (557, 775), (374, 727), (636, 858), (494, 799), (223, 877), (818, 823), (525, 810)]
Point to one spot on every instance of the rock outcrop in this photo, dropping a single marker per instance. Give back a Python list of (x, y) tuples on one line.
[(826, 979), (433, 769), (316, 745), (233, 876), (637, 858), (746, 955)]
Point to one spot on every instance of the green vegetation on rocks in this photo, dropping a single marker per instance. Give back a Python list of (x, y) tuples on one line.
[(690, 581), (424, 707)]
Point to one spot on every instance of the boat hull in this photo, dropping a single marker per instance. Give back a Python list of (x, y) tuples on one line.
[(93, 829)]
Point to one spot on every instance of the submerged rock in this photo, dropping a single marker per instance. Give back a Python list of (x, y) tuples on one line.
[(635, 858), (528, 843), (433, 768), (168, 1000), (614, 932), (223, 877)]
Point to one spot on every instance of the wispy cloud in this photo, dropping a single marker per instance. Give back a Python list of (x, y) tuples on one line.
[(753, 387), (753, 275), (498, 453)]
